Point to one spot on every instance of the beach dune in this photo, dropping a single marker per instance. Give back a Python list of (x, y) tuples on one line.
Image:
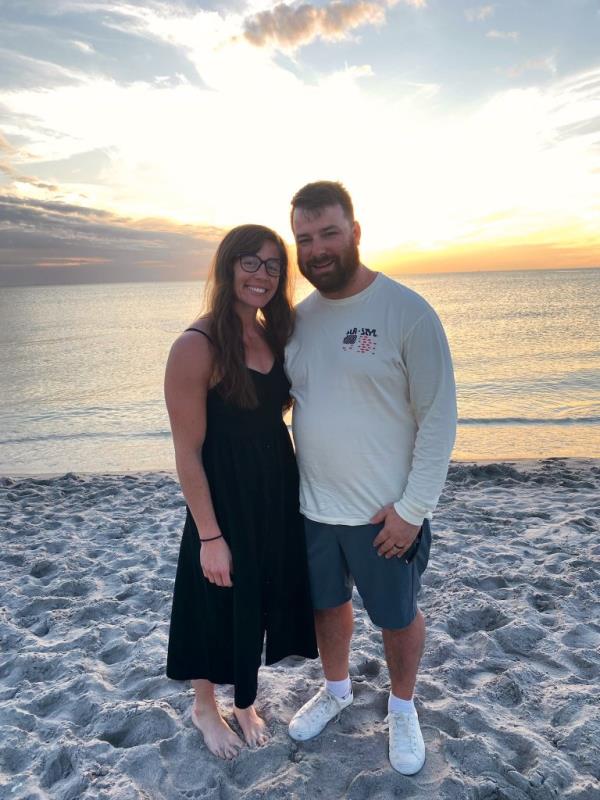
[(508, 693)]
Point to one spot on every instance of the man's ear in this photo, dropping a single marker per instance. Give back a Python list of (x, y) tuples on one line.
[(356, 231)]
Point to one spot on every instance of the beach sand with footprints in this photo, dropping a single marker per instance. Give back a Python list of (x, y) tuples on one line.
[(508, 693)]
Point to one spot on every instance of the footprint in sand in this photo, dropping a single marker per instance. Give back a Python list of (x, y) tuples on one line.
[(47, 703), (56, 547), (581, 636), (369, 668), (74, 588), (506, 691), (440, 654), (42, 568), (130, 729), (542, 602), (436, 767), (58, 767), (479, 618), (519, 637), (40, 629), (14, 759), (29, 613), (115, 653)]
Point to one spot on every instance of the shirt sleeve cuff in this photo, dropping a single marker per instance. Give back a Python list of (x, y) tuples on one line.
[(410, 512)]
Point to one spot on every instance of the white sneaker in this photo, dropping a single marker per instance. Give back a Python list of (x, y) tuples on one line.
[(407, 748), (314, 715)]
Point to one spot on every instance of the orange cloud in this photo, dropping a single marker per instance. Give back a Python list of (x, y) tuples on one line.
[(49, 263), (18, 177), (290, 27)]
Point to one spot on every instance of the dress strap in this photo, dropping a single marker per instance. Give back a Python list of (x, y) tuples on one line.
[(199, 331)]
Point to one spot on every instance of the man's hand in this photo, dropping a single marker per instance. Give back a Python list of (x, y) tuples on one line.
[(216, 562), (396, 536)]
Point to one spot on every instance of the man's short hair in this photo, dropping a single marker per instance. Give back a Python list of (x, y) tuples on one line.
[(319, 195)]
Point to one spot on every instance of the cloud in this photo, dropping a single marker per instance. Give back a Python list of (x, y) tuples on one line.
[(236, 153), (170, 150), (5, 145), (63, 43), (545, 64), (19, 177), (7, 168), (84, 47), (494, 34), (588, 127), (290, 27), (86, 167), (479, 13), (578, 112), (21, 71), (52, 242)]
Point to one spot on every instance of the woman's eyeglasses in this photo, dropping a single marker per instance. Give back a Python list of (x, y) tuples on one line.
[(251, 263)]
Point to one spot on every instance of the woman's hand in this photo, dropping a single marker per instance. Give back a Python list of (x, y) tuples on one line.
[(216, 562)]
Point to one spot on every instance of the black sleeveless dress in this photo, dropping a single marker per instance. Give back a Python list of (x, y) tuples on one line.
[(216, 632)]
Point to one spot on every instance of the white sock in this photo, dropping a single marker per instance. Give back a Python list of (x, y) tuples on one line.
[(397, 704), (340, 689)]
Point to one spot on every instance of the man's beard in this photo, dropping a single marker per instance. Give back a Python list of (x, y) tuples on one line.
[(338, 276)]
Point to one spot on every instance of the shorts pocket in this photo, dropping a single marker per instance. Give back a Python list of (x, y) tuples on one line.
[(422, 554), (412, 551)]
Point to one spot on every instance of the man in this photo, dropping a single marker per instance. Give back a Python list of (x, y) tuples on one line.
[(374, 424)]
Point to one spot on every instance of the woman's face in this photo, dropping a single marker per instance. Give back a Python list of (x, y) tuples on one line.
[(256, 289)]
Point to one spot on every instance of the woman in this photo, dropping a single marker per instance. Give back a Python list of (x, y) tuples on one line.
[(242, 565)]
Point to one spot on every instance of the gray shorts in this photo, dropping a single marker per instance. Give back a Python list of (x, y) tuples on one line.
[(341, 555)]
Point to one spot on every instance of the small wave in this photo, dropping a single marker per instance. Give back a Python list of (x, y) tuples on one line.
[(63, 437), (529, 421), (564, 472), (499, 473)]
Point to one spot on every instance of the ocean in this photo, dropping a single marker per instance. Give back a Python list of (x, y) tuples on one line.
[(82, 368)]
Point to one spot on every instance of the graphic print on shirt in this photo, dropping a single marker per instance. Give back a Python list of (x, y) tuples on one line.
[(360, 340)]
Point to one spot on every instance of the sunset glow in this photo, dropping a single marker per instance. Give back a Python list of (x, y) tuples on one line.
[(133, 134)]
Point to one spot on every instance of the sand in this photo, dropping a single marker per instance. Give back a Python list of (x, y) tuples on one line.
[(508, 692)]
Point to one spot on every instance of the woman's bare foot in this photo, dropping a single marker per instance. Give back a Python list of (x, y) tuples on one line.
[(218, 736), (253, 727)]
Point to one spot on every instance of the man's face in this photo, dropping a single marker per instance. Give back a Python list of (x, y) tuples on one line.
[(327, 247)]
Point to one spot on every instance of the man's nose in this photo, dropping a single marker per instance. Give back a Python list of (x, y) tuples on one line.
[(318, 247)]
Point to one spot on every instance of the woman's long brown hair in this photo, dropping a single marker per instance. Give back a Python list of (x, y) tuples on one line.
[(229, 365)]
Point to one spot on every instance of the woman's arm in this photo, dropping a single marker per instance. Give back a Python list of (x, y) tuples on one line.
[(187, 378)]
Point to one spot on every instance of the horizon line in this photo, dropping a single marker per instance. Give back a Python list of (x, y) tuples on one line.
[(199, 279)]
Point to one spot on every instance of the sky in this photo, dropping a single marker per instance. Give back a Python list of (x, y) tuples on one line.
[(133, 135)]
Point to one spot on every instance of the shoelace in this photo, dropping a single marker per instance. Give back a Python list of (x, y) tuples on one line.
[(323, 703), (406, 722)]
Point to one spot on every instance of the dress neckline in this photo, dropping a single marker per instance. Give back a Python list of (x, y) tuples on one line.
[(264, 374), (257, 371)]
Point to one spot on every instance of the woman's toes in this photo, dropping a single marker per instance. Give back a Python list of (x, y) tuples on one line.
[(218, 736), (253, 727)]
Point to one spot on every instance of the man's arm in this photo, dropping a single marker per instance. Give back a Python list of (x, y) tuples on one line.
[(432, 394)]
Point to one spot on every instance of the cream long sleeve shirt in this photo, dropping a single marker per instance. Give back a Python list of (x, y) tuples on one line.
[(374, 417)]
